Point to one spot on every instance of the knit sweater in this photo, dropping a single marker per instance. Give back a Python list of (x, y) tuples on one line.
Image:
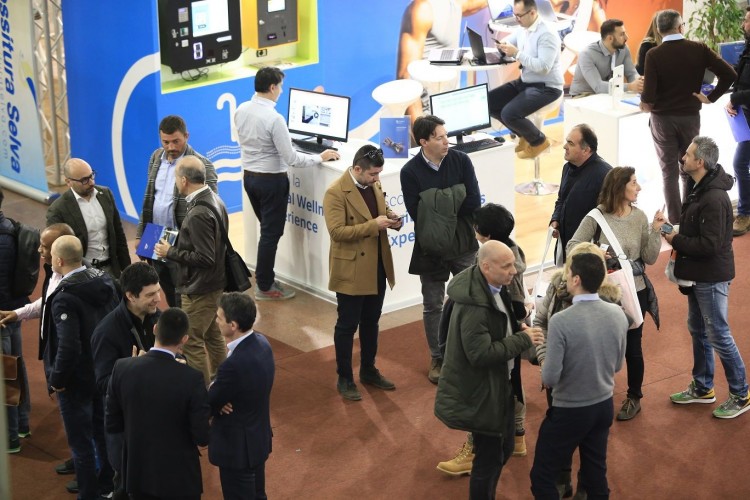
[(633, 232), (585, 348)]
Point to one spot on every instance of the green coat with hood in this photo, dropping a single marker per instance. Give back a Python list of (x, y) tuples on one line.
[(474, 386)]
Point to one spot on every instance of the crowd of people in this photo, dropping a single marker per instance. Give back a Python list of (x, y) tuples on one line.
[(209, 375)]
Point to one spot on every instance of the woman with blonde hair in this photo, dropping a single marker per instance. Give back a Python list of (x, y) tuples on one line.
[(555, 300), (651, 40)]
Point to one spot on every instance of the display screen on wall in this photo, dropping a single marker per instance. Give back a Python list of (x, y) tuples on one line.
[(276, 5), (209, 17)]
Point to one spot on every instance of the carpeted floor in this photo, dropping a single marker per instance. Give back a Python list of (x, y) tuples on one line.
[(387, 445)]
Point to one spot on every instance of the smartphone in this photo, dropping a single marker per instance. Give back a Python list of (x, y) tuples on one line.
[(400, 216), (667, 228)]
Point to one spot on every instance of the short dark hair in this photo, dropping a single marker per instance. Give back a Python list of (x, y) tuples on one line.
[(588, 137), (668, 20), (61, 228), (171, 124), (137, 276), (2, 196), (172, 326), (495, 222), (527, 4), (706, 150), (613, 188), (590, 268), (608, 27), (265, 77), (425, 126), (238, 307), (366, 159)]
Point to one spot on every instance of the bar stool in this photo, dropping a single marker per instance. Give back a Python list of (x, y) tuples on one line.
[(435, 79), (396, 96), (538, 187)]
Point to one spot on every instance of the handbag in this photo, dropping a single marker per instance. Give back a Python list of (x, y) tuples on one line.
[(669, 271), (235, 269), (541, 285), (624, 277), (13, 383)]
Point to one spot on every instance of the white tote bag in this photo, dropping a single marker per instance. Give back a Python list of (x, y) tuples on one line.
[(541, 285), (623, 277)]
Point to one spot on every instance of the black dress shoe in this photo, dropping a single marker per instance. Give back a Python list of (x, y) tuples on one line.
[(372, 376), (348, 389), (66, 468), (72, 486)]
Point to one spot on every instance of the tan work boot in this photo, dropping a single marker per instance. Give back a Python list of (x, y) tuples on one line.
[(533, 151), (522, 144), (434, 374), (741, 225), (461, 463), (520, 446)]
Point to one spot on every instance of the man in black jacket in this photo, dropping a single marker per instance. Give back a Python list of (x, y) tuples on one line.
[(438, 168), (200, 251), (582, 179), (739, 102), (126, 331), (82, 298), (705, 256)]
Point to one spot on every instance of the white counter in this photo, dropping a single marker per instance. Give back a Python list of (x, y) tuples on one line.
[(302, 256)]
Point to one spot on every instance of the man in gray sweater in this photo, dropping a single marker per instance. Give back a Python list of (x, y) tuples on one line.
[(585, 348)]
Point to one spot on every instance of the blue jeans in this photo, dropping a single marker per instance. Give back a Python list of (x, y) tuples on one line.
[(268, 194), (512, 102), (742, 174), (709, 327), (83, 419), (18, 416)]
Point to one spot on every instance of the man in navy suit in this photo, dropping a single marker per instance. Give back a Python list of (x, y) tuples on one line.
[(161, 407), (240, 402)]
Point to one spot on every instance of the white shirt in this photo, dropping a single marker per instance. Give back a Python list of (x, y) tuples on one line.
[(265, 143), (233, 344), (161, 349), (189, 198), (34, 310), (96, 226)]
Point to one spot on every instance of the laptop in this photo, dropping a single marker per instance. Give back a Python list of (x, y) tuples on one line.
[(152, 233), (480, 56), (448, 56)]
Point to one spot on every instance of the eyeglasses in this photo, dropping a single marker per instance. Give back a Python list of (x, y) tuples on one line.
[(84, 180), (519, 16), (374, 154)]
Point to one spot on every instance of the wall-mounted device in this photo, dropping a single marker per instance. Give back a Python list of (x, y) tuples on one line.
[(268, 23), (198, 33)]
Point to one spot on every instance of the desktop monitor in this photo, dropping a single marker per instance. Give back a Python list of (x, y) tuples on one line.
[(464, 110), (324, 116), (731, 51)]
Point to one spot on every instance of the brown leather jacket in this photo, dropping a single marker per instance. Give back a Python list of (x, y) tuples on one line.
[(200, 248)]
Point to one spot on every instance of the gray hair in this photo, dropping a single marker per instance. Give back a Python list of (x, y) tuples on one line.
[(192, 168), (668, 20), (706, 150)]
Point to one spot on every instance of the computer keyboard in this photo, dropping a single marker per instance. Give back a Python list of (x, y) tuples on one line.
[(473, 146), (311, 147)]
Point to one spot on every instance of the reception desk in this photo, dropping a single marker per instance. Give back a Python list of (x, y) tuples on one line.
[(625, 139), (302, 257)]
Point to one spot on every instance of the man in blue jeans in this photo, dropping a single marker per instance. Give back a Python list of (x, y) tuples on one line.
[(537, 48), (266, 154), (705, 256), (739, 102)]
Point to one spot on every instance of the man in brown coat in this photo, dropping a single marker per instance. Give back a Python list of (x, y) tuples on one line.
[(360, 262)]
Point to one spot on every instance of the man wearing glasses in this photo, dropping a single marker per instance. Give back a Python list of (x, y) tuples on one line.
[(537, 48), (360, 262), (90, 210)]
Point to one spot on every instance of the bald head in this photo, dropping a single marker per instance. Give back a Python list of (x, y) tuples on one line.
[(190, 175), (79, 177), (497, 262), (67, 254)]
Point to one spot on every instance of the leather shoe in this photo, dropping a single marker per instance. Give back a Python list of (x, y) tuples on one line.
[(533, 151), (66, 468), (372, 376), (348, 389), (72, 486), (434, 374)]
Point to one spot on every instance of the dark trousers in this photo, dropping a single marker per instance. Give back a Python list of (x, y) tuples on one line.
[(672, 135), (634, 352), (169, 273), (512, 102), (244, 484), (741, 164), (83, 419), (146, 496), (562, 431), (268, 196), (490, 454), (361, 311)]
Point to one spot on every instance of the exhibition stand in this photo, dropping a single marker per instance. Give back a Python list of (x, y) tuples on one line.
[(302, 256)]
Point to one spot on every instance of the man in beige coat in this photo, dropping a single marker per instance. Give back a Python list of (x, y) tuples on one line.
[(360, 262)]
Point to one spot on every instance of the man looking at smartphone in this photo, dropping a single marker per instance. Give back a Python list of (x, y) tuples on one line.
[(360, 262)]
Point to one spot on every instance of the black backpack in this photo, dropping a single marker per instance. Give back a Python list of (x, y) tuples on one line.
[(26, 268)]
